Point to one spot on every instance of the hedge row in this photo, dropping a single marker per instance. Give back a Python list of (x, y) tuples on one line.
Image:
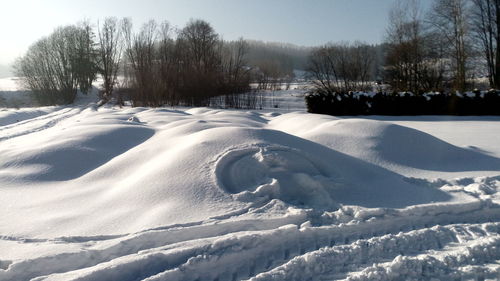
[(404, 104)]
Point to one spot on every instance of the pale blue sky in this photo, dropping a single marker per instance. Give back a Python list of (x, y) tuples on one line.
[(301, 22)]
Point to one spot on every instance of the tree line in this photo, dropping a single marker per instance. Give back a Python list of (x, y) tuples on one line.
[(446, 48), (159, 64)]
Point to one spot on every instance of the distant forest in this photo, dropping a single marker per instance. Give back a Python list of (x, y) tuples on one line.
[(282, 56)]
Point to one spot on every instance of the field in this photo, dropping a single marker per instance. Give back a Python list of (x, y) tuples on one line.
[(111, 193)]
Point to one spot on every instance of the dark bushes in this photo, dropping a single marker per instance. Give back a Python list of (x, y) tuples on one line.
[(188, 70), (404, 104)]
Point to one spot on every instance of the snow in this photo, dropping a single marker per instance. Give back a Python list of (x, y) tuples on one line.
[(111, 193), (412, 146)]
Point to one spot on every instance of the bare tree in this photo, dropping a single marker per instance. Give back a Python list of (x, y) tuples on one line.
[(198, 46), (86, 56), (110, 54), (192, 69), (363, 57), (322, 71), (235, 76), (341, 67), (486, 30), (448, 18), (168, 65), (404, 45), (269, 75), (141, 55), (55, 67), (410, 62)]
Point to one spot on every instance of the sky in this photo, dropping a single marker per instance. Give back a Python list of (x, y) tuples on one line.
[(301, 22)]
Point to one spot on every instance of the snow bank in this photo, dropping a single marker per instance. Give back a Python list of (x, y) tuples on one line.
[(412, 152), (109, 193)]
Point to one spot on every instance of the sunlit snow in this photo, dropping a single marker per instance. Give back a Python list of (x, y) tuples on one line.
[(113, 193)]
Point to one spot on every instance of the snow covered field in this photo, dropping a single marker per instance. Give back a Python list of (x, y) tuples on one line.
[(109, 193)]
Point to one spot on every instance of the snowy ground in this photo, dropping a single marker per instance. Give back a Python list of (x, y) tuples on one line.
[(109, 193), (12, 96)]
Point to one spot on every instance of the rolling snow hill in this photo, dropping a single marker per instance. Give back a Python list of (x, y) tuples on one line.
[(108, 193)]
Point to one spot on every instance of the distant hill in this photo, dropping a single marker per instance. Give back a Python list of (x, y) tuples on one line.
[(287, 57)]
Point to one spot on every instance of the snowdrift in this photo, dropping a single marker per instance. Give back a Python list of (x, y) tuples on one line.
[(400, 148), (106, 193)]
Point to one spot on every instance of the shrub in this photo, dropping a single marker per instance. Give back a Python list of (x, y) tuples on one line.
[(404, 104)]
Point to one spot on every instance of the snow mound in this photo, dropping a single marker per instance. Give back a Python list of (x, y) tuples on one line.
[(405, 146), (104, 193), (79, 151), (284, 165), (391, 145)]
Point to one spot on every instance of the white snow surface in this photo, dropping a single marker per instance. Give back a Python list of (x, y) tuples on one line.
[(112, 193)]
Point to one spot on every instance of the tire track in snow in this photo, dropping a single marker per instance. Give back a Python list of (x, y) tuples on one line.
[(210, 266), (131, 244), (33, 125), (47, 115), (338, 261), (476, 262), (292, 243), (248, 253)]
